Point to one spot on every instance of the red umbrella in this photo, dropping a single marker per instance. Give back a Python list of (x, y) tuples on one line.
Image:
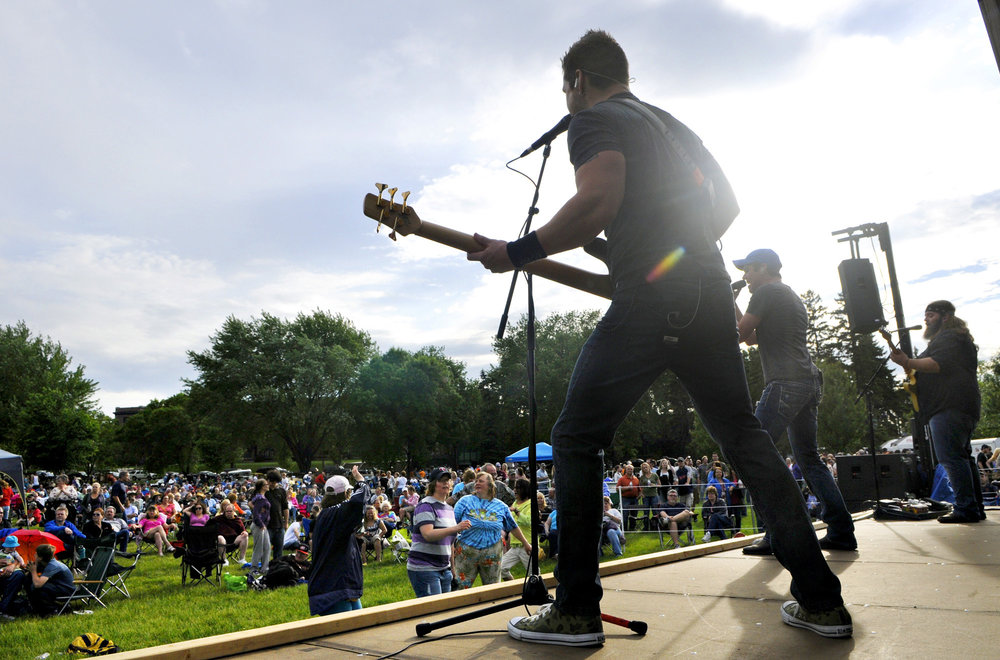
[(30, 539)]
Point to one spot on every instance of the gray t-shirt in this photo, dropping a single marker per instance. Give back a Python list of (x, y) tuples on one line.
[(661, 211), (781, 333)]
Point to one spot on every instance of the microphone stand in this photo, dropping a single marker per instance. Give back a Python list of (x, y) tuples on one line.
[(534, 592)]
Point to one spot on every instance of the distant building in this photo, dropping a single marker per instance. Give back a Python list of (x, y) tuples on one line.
[(122, 414)]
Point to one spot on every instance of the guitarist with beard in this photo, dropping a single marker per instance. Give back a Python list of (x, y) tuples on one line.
[(949, 403)]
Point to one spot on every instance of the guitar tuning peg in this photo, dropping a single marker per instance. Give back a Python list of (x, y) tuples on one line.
[(380, 187), (378, 223), (392, 234), (405, 195), (392, 195)]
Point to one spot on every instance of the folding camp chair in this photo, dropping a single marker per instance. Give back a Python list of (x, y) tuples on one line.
[(399, 547), (92, 585), (685, 532), (119, 573), (201, 556), (85, 549)]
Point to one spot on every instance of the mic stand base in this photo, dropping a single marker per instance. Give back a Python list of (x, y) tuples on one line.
[(534, 593)]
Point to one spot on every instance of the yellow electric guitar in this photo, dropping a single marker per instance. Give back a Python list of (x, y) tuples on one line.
[(910, 384), (403, 219)]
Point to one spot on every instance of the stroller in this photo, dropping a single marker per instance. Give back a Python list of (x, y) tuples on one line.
[(201, 556)]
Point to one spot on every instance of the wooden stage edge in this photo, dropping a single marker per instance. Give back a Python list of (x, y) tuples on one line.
[(244, 641)]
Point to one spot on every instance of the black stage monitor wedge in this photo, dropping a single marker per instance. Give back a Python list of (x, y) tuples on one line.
[(861, 299), (856, 476)]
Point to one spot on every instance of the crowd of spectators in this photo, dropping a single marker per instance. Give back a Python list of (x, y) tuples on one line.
[(462, 525)]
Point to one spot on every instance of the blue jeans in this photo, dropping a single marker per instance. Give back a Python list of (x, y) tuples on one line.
[(951, 434), (792, 406), (430, 583), (689, 327), (342, 606), (615, 538)]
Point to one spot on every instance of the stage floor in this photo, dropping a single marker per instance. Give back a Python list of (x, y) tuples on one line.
[(913, 587)]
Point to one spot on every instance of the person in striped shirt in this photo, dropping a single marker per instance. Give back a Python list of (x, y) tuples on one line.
[(434, 528)]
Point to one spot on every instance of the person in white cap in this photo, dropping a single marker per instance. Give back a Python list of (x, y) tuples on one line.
[(336, 582)]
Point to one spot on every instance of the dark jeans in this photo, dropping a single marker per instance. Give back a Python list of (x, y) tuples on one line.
[(629, 508), (951, 434), (10, 586), (277, 537), (792, 406), (688, 327)]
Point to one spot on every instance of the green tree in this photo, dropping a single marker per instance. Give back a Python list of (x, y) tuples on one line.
[(292, 377), (821, 336), (160, 436), (989, 388), (47, 410), (559, 338), (412, 407), (890, 404), (55, 434)]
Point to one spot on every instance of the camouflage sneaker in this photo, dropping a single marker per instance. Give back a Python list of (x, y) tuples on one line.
[(550, 626), (828, 623)]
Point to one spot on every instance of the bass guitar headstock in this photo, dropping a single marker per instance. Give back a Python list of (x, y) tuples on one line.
[(400, 218)]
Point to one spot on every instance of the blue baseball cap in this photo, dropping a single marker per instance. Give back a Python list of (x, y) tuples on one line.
[(762, 256)]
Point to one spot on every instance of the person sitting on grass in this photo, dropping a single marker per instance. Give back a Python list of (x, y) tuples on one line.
[(294, 533), (12, 575), (50, 579), (715, 513), (154, 528), (674, 516)]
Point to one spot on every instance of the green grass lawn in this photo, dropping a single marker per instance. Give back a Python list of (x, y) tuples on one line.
[(162, 611)]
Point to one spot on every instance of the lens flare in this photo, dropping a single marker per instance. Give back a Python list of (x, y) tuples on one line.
[(666, 265)]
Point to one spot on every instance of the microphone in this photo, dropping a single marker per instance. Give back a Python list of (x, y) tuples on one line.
[(738, 285), (548, 136)]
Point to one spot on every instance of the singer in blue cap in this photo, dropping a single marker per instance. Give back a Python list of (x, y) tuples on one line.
[(776, 321)]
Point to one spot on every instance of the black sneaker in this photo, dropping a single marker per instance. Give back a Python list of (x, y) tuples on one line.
[(834, 623), (758, 547), (550, 626), (955, 517), (830, 544)]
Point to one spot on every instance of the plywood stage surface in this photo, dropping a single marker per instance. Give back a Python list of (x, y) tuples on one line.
[(914, 589)]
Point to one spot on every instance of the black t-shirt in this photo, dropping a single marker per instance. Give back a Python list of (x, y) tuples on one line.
[(955, 386), (658, 213), (118, 491), (279, 505), (781, 333)]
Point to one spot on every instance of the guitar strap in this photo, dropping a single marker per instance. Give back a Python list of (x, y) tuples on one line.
[(718, 225)]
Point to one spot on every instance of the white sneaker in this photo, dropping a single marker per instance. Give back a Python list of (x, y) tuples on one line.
[(225, 562), (707, 537)]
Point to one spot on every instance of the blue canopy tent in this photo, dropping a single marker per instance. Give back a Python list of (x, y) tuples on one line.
[(543, 452)]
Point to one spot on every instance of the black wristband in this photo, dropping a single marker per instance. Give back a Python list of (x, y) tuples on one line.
[(525, 250)]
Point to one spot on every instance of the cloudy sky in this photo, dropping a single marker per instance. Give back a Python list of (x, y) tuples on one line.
[(164, 165)]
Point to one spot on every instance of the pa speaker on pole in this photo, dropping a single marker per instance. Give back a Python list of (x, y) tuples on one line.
[(861, 299)]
